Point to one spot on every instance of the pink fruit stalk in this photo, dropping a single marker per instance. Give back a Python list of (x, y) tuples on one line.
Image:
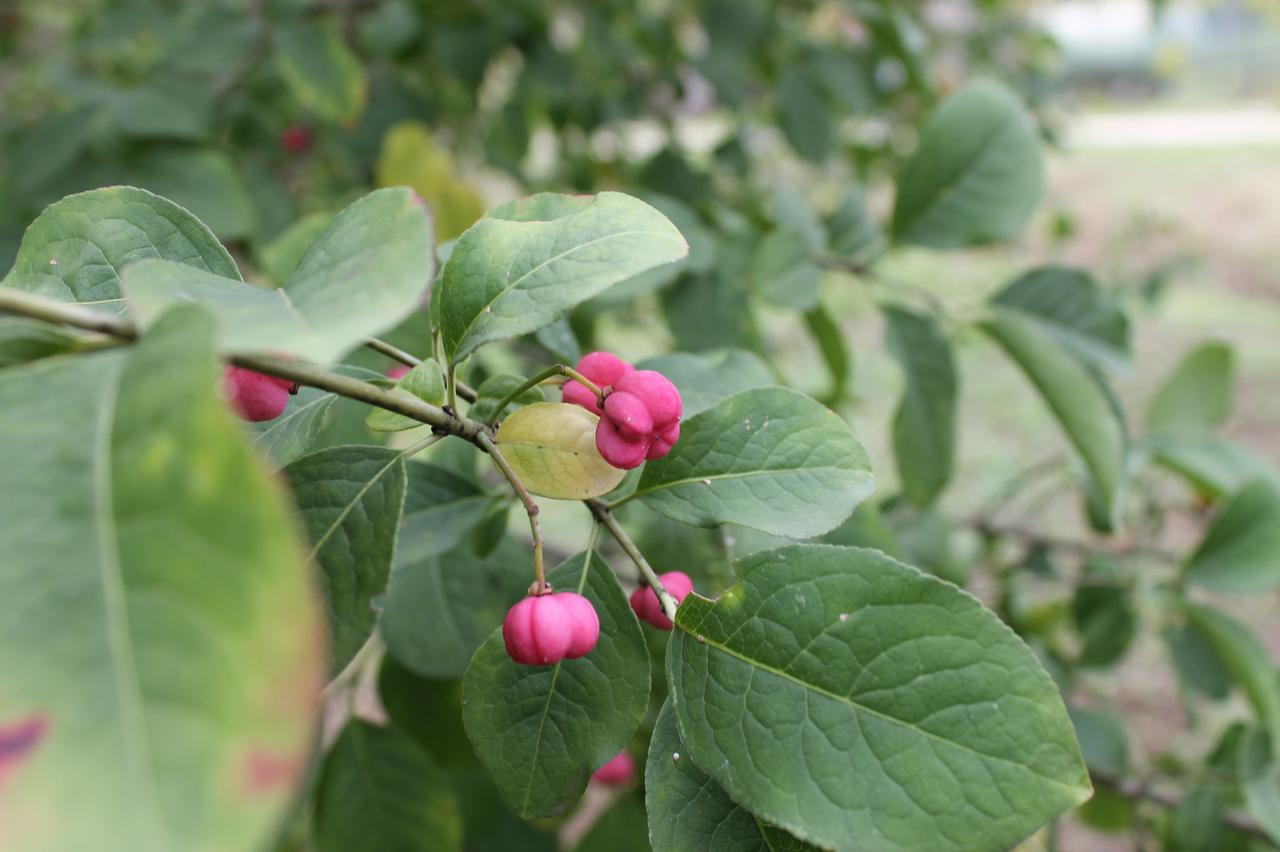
[(254, 396), (647, 607), (618, 772), (542, 630)]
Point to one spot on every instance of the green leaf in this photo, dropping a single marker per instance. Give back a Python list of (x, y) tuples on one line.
[(202, 180), (860, 704), (1260, 779), (158, 627), (783, 271), (74, 249), (350, 499), (1075, 396), (23, 340), (559, 339), (688, 810), (164, 109), (622, 828), (280, 257), (1198, 664), (411, 157), (706, 378), (440, 608), (552, 448), (1245, 659), (1076, 310), (292, 434), (430, 711), (542, 730), (380, 774), (1214, 466), (440, 508), (1103, 741), (924, 427), (529, 261), (364, 274), (322, 73), (768, 458), (835, 354), (424, 382), (1240, 553), (1104, 617), (976, 176), (802, 114), (853, 233), (1197, 396)]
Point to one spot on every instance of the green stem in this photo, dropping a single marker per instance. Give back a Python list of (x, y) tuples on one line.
[(605, 517), (539, 586), (534, 381)]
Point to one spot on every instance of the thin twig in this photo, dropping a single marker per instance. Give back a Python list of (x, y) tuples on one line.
[(533, 381), (605, 517), (530, 508), (1035, 538)]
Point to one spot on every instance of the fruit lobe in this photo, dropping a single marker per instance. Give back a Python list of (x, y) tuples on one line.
[(647, 607), (255, 396)]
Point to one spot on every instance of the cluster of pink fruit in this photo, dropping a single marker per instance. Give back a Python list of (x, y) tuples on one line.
[(640, 415), (544, 629)]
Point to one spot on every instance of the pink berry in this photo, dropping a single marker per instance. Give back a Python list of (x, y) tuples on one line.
[(254, 396), (647, 607), (628, 415), (542, 630), (603, 368), (618, 772), (575, 393), (295, 139), (656, 392), (397, 371), (617, 449), (664, 441)]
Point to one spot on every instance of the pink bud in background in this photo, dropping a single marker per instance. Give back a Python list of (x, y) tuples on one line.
[(617, 772)]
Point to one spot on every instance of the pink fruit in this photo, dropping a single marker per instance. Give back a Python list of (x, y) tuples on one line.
[(628, 415), (602, 368), (397, 371), (542, 630), (617, 772), (295, 139), (656, 392), (664, 441), (618, 450), (254, 396), (647, 607)]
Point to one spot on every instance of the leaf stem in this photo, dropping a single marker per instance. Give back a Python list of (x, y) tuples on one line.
[(539, 586), (396, 354), (605, 517), (533, 381)]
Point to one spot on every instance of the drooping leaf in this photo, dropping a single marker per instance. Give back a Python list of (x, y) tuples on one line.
[(292, 434), (1198, 664), (706, 378), (75, 249), (381, 790), (689, 810), (441, 607), (1260, 778), (924, 428), (1245, 659), (529, 261), (860, 704), (350, 500), (1103, 741), (1076, 397), (363, 275), (1105, 619), (976, 176), (768, 458), (783, 271), (542, 730), (322, 73), (1078, 312), (1240, 553), (163, 680), (835, 353), (424, 382), (1197, 396), (552, 448)]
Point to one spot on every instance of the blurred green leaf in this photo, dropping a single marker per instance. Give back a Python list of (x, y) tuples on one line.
[(1245, 658), (1240, 553), (826, 332), (783, 271), (1198, 664), (1078, 312), (279, 258), (1104, 616), (411, 157), (1260, 777), (1197, 396), (1103, 741), (924, 428), (325, 77), (706, 378), (424, 382)]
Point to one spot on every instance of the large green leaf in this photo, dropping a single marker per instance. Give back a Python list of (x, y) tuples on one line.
[(1074, 395), (350, 499), (325, 77), (688, 810), (542, 730), (529, 261), (924, 427), (1072, 305), (706, 378), (976, 176), (76, 248), (1240, 553), (379, 791), (860, 704), (768, 458), (159, 633), (440, 608), (1197, 396), (365, 273), (1245, 659)]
